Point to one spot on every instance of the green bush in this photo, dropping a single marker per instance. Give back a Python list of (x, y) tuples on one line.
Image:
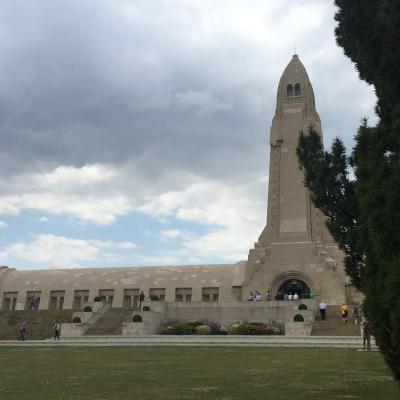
[(276, 330), (194, 324), (302, 306), (183, 329), (137, 318), (202, 330), (76, 320), (260, 324), (235, 329), (146, 308), (154, 297), (298, 318), (87, 309)]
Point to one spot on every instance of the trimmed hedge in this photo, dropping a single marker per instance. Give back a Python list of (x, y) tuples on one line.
[(203, 330), (298, 318), (137, 318), (87, 309), (255, 328), (302, 306), (76, 320)]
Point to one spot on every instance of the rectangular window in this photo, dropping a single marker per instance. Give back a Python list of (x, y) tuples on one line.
[(9, 301), (179, 297), (53, 303), (80, 298), (210, 294), (157, 294), (57, 299), (106, 295), (131, 298), (184, 294), (206, 297)]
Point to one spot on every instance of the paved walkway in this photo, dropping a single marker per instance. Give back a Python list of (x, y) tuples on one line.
[(165, 340)]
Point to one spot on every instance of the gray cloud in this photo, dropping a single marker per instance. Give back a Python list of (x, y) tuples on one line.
[(161, 86)]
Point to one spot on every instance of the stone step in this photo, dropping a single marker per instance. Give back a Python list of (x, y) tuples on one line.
[(333, 324), (110, 323)]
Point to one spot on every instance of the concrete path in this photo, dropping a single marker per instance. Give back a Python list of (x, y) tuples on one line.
[(165, 340)]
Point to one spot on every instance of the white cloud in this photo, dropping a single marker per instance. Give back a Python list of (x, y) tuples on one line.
[(170, 233), (3, 224), (83, 193), (60, 251), (235, 216), (43, 219)]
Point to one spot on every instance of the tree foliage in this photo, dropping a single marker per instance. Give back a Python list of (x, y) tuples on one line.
[(363, 212)]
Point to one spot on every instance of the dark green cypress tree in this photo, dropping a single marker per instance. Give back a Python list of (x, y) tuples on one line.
[(363, 213)]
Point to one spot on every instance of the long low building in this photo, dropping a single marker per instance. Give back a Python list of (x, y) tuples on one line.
[(71, 288)]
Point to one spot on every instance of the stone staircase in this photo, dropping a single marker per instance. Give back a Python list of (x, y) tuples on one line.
[(333, 325), (110, 323)]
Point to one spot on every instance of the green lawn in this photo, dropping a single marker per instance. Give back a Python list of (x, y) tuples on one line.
[(144, 373)]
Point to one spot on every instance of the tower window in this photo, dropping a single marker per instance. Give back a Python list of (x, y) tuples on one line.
[(289, 90), (297, 90)]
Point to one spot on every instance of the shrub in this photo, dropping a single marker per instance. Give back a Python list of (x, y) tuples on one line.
[(202, 330), (183, 329), (298, 318), (248, 329), (154, 297), (302, 306), (97, 299), (137, 318), (260, 324), (235, 329), (194, 324), (276, 330), (87, 309), (146, 308), (76, 320)]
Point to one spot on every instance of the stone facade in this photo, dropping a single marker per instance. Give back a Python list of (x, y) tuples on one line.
[(293, 253)]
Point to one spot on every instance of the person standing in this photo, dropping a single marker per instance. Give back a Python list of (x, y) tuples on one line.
[(57, 330), (141, 299), (322, 310), (21, 330), (366, 335)]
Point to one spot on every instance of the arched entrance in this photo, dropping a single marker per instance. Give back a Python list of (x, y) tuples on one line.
[(291, 282), (293, 286)]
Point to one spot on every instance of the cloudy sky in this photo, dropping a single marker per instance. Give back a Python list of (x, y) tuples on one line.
[(136, 132)]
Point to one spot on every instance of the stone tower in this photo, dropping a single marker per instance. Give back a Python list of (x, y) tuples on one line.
[(295, 252)]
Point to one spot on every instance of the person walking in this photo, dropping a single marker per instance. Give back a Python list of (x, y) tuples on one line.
[(322, 310), (57, 330), (344, 311), (21, 330), (357, 315), (366, 335)]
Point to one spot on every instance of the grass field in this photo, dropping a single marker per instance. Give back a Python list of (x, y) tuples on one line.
[(117, 373)]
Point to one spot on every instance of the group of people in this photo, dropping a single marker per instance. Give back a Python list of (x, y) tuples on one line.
[(22, 330), (344, 313), (257, 296)]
